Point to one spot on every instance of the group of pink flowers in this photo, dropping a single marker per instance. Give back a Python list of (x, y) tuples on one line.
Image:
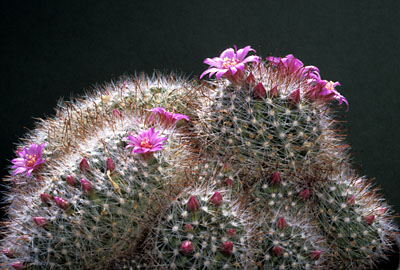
[(231, 64)]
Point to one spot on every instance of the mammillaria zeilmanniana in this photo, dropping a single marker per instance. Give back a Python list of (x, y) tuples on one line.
[(245, 171)]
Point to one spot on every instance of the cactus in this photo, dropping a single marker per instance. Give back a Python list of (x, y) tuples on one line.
[(247, 171)]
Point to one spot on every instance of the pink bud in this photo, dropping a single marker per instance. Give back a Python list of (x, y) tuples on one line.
[(110, 165), (231, 232), (40, 221), (277, 250), (294, 97), (116, 113), (216, 198), (70, 180), (46, 198), (250, 80), (305, 193), (193, 204), (228, 181), (382, 210), (369, 219), (86, 186), (315, 254), (281, 223), (84, 165), (188, 227), (63, 204), (274, 92), (351, 200), (275, 179), (259, 91), (8, 253), (227, 247), (187, 247), (17, 265)]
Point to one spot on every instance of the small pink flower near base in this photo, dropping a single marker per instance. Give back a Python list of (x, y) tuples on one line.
[(216, 198), (40, 221), (275, 179), (316, 254), (167, 118), (230, 63), (29, 159), (227, 247), (281, 223), (146, 142), (277, 251), (369, 219), (187, 247)]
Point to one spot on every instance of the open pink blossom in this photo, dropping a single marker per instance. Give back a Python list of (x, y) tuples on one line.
[(29, 159), (146, 142), (325, 91), (229, 63), (294, 66), (166, 117)]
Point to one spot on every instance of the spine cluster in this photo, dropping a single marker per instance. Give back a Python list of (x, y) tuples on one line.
[(247, 171)]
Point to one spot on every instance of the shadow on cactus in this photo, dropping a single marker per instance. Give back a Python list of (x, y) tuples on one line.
[(245, 171)]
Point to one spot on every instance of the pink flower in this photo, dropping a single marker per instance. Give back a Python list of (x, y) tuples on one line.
[(229, 63), (277, 251), (40, 221), (369, 219), (187, 247), (216, 198), (168, 118), (116, 113), (281, 223), (292, 65), (275, 179), (110, 166), (63, 204), (227, 247), (29, 159), (193, 204), (326, 92), (146, 142), (86, 186)]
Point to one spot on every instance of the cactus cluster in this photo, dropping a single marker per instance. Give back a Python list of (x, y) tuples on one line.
[(247, 171)]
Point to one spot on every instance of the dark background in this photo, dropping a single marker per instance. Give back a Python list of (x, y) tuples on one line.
[(56, 49)]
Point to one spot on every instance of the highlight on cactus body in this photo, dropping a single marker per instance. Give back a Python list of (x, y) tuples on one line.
[(244, 171)]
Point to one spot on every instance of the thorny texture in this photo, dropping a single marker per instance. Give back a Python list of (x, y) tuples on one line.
[(249, 171)]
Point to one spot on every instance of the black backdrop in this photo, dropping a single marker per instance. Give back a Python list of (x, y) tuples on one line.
[(56, 49)]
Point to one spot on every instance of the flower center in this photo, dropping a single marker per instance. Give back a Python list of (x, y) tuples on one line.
[(145, 143), (329, 86), (31, 160), (228, 62)]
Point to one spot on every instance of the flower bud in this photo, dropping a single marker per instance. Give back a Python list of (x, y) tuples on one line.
[(275, 179), (216, 198), (187, 247), (86, 186), (281, 223), (193, 204), (274, 91), (369, 219), (70, 180), (277, 251), (188, 228), (305, 193), (228, 181), (250, 80), (40, 221), (315, 254), (382, 210), (116, 113), (84, 165), (110, 165), (8, 253), (294, 97), (259, 91), (227, 247), (231, 232), (17, 265), (63, 204), (46, 198), (351, 200)]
